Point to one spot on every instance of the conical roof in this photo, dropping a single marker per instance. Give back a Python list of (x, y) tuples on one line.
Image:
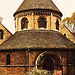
[(37, 4), (37, 39)]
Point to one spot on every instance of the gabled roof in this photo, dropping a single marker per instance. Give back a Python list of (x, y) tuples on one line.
[(73, 33), (6, 28), (37, 39), (37, 4)]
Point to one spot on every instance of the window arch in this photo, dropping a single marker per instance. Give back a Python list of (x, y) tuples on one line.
[(1, 34), (42, 23), (53, 56), (8, 59), (57, 24), (24, 23)]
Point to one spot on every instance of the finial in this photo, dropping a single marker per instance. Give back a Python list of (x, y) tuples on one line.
[(1, 19)]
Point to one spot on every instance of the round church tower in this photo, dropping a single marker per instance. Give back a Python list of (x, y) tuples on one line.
[(37, 44), (37, 14)]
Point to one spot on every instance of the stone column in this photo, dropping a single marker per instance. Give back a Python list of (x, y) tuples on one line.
[(64, 70), (16, 29)]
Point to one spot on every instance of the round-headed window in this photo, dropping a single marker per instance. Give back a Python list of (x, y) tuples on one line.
[(1, 34), (57, 25), (24, 23), (42, 22)]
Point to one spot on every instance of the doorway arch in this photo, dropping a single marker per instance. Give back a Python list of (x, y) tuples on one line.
[(48, 60)]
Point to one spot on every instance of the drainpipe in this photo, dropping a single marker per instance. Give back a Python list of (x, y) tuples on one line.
[(67, 64), (29, 59)]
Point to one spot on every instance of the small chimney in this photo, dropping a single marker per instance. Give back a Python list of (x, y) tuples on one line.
[(1, 19)]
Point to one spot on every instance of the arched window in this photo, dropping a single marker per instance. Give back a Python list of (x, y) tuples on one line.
[(42, 22), (8, 59), (24, 23), (57, 25), (1, 34)]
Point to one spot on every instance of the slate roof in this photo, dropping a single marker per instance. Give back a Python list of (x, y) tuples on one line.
[(37, 39), (37, 4)]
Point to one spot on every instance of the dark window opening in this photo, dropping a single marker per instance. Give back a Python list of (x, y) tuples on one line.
[(8, 59), (1, 34), (65, 35), (57, 25), (24, 23), (42, 22), (48, 64)]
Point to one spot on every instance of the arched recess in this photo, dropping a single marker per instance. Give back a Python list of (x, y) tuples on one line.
[(8, 59), (24, 23), (42, 22), (1, 34), (48, 60), (57, 24)]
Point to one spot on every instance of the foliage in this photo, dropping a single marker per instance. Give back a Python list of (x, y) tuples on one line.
[(40, 72), (70, 19)]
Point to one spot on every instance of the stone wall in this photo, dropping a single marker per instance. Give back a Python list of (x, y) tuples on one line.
[(6, 33), (12, 70), (19, 61), (33, 20), (69, 35)]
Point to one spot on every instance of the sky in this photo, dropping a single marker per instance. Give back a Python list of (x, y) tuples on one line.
[(9, 7)]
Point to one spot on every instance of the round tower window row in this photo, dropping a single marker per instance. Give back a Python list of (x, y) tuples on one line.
[(42, 23)]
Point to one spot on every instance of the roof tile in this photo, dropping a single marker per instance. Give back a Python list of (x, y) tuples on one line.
[(37, 39)]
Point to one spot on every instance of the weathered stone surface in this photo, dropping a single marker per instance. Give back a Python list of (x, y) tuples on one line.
[(19, 61)]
